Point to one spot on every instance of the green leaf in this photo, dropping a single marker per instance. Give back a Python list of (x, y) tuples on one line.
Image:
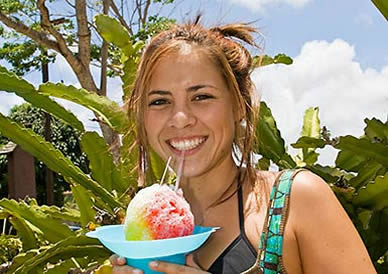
[(128, 165), (129, 76), (84, 203), (14, 84), (364, 148), (263, 164), (63, 213), (110, 111), (25, 233), (382, 5), (366, 174), (76, 246), (364, 216), (53, 158), (52, 230), (376, 130), (158, 165), (311, 123), (270, 144), (309, 142), (101, 164), (281, 58), (349, 161), (112, 31), (374, 195), (265, 60)]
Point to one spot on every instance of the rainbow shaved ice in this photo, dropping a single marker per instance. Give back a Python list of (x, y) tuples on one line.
[(158, 212)]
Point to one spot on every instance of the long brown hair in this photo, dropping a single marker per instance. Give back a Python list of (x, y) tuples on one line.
[(223, 45)]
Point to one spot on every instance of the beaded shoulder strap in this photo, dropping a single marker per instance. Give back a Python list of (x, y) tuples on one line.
[(269, 259)]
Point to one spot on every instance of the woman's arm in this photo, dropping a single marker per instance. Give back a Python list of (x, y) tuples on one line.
[(327, 240)]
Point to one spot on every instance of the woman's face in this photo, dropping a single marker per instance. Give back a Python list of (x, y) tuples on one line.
[(189, 110)]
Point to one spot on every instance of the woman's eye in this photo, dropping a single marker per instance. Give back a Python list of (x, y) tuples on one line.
[(158, 102), (201, 97)]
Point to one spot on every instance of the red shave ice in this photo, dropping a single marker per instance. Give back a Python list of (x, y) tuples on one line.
[(158, 212)]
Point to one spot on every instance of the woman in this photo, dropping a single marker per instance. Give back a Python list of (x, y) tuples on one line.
[(193, 96)]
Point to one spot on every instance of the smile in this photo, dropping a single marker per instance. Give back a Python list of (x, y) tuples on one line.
[(186, 144)]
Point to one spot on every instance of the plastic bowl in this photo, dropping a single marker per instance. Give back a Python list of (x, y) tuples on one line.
[(140, 253)]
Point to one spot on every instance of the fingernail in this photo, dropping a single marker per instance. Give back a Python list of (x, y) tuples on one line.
[(137, 271), (154, 264), (121, 259)]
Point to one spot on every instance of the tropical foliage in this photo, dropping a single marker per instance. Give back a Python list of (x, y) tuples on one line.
[(62, 136), (44, 236)]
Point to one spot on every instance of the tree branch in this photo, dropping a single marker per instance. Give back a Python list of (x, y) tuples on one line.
[(104, 55), (81, 70), (120, 17), (138, 8), (83, 32), (47, 25), (37, 36), (145, 13)]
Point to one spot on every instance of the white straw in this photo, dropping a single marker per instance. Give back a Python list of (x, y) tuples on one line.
[(180, 170), (165, 169)]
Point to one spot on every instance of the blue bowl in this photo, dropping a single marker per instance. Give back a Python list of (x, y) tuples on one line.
[(140, 253)]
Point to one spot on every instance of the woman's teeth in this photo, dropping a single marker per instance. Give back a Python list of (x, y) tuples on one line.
[(187, 144)]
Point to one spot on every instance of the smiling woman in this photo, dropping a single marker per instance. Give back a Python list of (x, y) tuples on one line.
[(193, 97)]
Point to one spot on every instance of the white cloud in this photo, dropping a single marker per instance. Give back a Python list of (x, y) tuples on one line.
[(261, 5), (7, 101), (325, 75)]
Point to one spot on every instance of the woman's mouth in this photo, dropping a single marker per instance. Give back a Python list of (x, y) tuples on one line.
[(186, 144)]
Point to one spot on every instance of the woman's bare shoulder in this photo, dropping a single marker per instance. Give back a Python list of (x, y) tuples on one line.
[(323, 230)]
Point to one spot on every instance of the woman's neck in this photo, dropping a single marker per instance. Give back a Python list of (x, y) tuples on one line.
[(205, 190)]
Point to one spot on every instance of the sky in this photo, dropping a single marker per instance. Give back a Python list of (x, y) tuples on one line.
[(340, 64)]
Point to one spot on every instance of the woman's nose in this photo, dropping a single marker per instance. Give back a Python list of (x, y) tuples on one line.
[(181, 118)]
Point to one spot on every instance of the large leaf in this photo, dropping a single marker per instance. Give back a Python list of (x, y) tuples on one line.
[(128, 166), (158, 165), (14, 84), (350, 161), (376, 130), (366, 174), (270, 144), (364, 148), (25, 233), (265, 60), (311, 123), (101, 164), (309, 142), (84, 203), (52, 230), (53, 158), (382, 5), (109, 111), (71, 247), (373, 195), (112, 31), (376, 236), (63, 213)]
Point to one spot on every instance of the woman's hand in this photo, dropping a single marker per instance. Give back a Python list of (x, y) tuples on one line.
[(119, 266), (169, 268)]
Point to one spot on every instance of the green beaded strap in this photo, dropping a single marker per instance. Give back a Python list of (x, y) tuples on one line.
[(269, 259)]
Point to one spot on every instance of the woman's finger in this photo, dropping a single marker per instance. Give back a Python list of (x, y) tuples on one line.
[(119, 266), (173, 268), (190, 261), (117, 260)]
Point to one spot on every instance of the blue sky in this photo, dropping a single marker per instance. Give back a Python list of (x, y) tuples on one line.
[(340, 57)]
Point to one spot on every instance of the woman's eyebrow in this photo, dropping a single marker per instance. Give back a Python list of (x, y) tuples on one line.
[(159, 92), (197, 87), (189, 89)]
